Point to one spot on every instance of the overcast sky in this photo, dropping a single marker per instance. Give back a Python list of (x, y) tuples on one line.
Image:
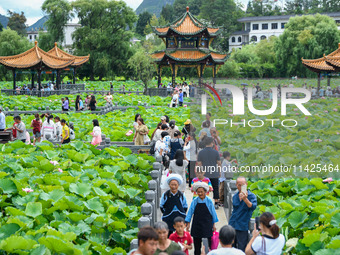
[(32, 8)]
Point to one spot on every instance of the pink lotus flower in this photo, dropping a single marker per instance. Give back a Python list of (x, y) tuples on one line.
[(153, 106), (317, 140), (295, 109), (130, 94), (330, 179), (185, 105), (264, 105), (235, 124), (50, 100), (60, 170), (54, 163), (335, 109), (323, 98), (337, 133), (56, 100), (314, 104), (26, 96), (271, 139), (278, 130), (130, 132), (325, 111), (306, 118), (230, 111), (297, 113), (229, 105), (27, 190), (100, 149), (72, 101), (231, 115)]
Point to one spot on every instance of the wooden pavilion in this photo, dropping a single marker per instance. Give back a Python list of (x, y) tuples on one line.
[(78, 61), (188, 43), (327, 64), (35, 59)]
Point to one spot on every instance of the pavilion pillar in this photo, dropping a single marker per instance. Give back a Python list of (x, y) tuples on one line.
[(200, 73), (214, 75), (319, 82), (58, 79), (159, 75), (32, 84), (39, 80), (74, 75), (328, 80), (173, 69), (52, 76), (14, 79)]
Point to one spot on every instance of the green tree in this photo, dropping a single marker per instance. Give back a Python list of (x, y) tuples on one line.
[(11, 43), (1, 27), (307, 37), (59, 13), (263, 8), (168, 13), (142, 67), (223, 13), (265, 50), (104, 35), (17, 22), (195, 6), (154, 22), (180, 7), (45, 41), (143, 19)]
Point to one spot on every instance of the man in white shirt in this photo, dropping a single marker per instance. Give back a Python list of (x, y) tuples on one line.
[(227, 237), (2, 120), (313, 92)]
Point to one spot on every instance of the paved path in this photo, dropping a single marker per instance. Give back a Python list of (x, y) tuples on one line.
[(220, 212), (222, 220)]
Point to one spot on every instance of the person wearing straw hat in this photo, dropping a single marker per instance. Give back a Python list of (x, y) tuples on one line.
[(203, 215), (173, 202)]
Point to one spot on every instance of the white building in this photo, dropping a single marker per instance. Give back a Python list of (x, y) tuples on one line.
[(255, 29), (33, 33)]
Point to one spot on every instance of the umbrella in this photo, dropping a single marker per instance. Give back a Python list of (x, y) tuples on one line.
[(244, 84)]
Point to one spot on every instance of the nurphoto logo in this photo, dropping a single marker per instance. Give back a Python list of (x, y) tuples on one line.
[(238, 99)]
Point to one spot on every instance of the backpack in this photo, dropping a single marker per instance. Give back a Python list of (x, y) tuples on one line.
[(152, 149), (72, 134), (36, 126)]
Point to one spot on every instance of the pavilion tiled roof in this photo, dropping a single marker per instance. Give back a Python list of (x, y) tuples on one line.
[(62, 54), (186, 25), (317, 65), (189, 55), (329, 63), (333, 61), (34, 57)]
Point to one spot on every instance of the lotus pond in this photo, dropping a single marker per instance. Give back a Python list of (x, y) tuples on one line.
[(70, 200)]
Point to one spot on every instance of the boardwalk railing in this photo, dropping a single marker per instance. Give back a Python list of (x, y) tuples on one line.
[(11, 92), (72, 86), (150, 208)]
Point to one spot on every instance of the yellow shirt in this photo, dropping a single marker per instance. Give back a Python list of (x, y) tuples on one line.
[(66, 128)]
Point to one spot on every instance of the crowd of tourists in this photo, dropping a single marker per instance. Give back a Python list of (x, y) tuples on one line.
[(44, 127), (90, 103), (47, 127), (187, 161)]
